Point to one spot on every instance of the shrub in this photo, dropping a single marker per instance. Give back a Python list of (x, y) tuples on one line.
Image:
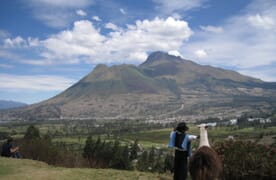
[(32, 146), (104, 154), (32, 133), (247, 160)]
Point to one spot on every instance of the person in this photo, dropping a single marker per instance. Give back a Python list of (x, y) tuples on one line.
[(8, 150), (181, 142)]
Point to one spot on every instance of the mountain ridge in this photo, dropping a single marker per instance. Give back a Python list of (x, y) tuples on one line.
[(6, 104), (160, 87)]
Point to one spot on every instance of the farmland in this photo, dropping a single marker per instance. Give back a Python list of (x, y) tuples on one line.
[(111, 144), (148, 135)]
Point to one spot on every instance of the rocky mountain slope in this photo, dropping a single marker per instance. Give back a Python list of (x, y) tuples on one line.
[(162, 87)]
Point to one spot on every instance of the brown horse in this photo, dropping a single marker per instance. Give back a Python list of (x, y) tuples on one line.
[(205, 163)]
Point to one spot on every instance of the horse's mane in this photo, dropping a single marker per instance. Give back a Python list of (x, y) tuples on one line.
[(205, 164)]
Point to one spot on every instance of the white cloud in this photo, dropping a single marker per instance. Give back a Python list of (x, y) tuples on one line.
[(83, 40), (3, 34), (112, 26), (264, 22), (86, 43), (5, 54), (241, 45), (175, 53), (35, 82), (201, 53), (172, 6), (61, 3), (266, 74), (164, 27), (176, 16), (15, 55), (56, 13), (81, 12), (6, 66), (96, 18), (17, 42), (56, 19), (122, 11), (213, 29), (32, 42), (36, 62), (138, 55)]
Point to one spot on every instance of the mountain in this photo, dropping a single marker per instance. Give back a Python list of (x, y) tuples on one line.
[(4, 104), (164, 87)]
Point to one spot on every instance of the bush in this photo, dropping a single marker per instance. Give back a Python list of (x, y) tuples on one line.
[(247, 160), (32, 146), (104, 154), (32, 133)]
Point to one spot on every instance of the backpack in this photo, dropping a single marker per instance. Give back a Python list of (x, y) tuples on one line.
[(179, 138)]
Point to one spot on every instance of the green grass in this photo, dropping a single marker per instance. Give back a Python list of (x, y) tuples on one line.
[(5, 170), (80, 140), (160, 136), (23, 169)]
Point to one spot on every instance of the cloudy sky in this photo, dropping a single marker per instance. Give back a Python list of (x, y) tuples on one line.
[(48, 45)]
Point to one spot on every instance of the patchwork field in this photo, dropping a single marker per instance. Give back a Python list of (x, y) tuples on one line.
[(147, 138)]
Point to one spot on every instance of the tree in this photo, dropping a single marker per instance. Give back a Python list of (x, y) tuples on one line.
[(134, 150), (126, 159), (159, 165), (151, 157), (103, 154), (89, 149), (246, 160), (35, 147), (47, 137), (115, 154), (116, 147), (32, 133), (143, 164), (168, 163)]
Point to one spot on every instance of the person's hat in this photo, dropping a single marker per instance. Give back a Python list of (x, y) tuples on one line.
[(182, 127)]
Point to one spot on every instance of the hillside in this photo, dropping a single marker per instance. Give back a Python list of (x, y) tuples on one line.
[(24, 169), (163, 87), (10, 104)]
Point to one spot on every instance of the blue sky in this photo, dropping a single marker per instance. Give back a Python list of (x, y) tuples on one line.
[(48, 45)]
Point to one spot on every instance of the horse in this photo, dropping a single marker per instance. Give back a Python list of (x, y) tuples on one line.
[(205, 163)]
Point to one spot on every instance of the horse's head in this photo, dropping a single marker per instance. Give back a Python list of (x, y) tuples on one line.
[(206, 125), (202, 127)]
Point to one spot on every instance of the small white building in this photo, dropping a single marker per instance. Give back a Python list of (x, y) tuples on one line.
[(233, 121)]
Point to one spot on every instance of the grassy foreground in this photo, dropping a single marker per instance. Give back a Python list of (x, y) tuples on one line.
[(24, 169)]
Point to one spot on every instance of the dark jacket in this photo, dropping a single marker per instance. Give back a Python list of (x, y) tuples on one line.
[(6, 150)]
